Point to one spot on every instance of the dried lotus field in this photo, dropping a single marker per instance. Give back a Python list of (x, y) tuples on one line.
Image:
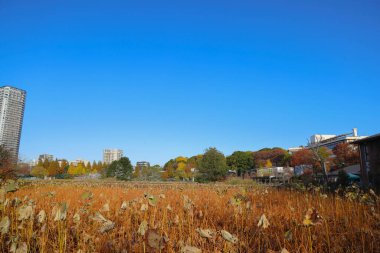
[(174, 217)]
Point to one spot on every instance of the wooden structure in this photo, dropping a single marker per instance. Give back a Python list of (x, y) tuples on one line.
[(370, 161)]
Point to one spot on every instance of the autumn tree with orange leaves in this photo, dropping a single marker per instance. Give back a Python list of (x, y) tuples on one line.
[(303, 157), (345, 155)]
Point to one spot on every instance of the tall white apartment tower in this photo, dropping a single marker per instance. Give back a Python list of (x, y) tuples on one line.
[(12, 106), (110, 155)]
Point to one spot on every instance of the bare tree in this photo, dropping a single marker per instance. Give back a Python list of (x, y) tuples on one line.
[(7, 164), (320, 155)]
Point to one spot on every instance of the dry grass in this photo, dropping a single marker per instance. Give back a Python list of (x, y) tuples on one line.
[(173, 219)]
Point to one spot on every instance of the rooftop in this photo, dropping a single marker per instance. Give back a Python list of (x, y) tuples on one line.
[(8, 86), (369, 138)]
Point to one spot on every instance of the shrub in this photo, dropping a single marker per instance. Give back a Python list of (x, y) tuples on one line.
[(343, 178)]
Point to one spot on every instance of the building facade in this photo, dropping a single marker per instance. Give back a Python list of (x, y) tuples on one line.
[(370, 161), (330, 141), (110, 155), (12, 106), (142, 164), (44, 157), (78, 161)]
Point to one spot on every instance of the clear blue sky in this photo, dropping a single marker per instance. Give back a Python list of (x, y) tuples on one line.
[(161, 79)]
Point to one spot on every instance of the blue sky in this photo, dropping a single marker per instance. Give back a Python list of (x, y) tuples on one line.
[(161, 79)]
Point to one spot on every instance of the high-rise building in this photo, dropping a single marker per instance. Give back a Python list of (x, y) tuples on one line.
[(12, 106), (110, 155)]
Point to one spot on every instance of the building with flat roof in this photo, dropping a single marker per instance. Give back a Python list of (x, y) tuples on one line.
[(295, 149), (142, 164), (330, 141), (12, 106), (111, 155), (78, 161), (44, 157)]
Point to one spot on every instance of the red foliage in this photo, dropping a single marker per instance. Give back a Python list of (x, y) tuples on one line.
[(345, 155), (276, 156), (303, 157)]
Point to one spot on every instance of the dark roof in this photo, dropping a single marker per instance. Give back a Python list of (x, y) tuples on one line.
[(353, 169), (367, 139)]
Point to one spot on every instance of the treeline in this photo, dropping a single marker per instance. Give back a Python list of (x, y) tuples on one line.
[(210, 166), (240, 162), (62, 168), (123, 170), (181, 167), (343, 155)]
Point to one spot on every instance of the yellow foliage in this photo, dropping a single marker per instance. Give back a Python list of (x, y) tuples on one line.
[(181, 159), (77, 170), (181, 166), (268, 164)]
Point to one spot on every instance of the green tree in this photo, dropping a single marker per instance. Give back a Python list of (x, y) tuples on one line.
[(155, 173), (94, 166), (286, 159), (88, 167), (241, 162), (156, 167), (343, 178), (181, 175), (39, 171), (40, 163), (169, 169), (101, 166), (144, 173), (121, 169), (212, 166), (136, 173)]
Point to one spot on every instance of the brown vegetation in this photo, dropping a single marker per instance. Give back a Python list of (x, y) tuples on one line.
[(136, 217)]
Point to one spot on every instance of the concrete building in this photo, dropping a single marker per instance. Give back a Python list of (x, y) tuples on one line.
[(110, 155), (370, 160), (12, 106), (330, 141), (44, 157), (142, 164), (295, 149), (316, 138), (78, 161)]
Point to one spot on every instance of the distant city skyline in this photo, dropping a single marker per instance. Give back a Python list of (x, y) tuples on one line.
[(161, 79)]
